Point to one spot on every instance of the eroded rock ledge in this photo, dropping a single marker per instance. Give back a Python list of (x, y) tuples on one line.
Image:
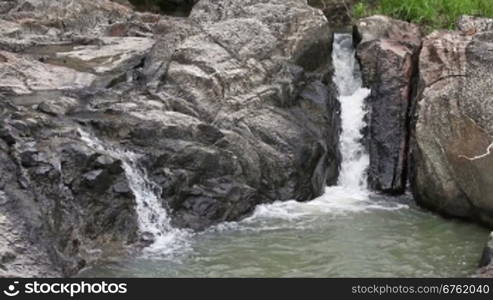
[(229, 108)]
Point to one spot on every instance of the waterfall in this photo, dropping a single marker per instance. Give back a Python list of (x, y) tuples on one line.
[(154, 222), (347, 78), (351, 193)]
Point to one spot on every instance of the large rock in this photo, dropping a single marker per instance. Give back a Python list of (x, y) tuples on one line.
[(65, 197), (388, 50), (20, 257), (452, 151), (227, 109), (261, 124), (486, 262)]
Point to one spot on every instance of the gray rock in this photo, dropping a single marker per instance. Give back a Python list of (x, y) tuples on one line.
[(244, 59), (388, 51), (67, 204), (452, 158), (227, 109), (487, 257), (58, 107)]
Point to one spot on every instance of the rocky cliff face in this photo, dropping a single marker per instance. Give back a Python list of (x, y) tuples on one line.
[(388, 51), (452, 157), (228, 108)]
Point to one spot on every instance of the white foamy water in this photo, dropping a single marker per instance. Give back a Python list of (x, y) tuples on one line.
[(352, 95), (153, 218), (351, 193)]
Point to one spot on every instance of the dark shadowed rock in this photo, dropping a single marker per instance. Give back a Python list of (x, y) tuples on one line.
[(63, 195), (486, 262), (487, 257), (179, 8), (388, 51), (338, 12), (452, 158)]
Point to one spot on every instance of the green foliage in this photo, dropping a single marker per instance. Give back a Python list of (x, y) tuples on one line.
[(432, 14), (360, 10)]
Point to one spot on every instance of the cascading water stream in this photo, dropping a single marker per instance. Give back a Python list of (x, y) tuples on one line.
[(152, 217), (346, 232), (347, 78), (351, 193)]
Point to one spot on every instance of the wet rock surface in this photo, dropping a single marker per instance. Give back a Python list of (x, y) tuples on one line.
[(486, 262), (388, 51), (228, 108), (487, 257)]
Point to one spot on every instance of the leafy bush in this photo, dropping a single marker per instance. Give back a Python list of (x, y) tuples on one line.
[(432, 14), (360, 10)]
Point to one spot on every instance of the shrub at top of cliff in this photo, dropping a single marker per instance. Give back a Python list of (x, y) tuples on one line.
[(432, 14), (168, 7)]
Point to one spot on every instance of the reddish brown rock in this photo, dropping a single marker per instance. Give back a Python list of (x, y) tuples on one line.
[(453, 140)]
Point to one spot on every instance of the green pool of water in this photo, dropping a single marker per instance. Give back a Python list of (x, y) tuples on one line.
[(336, 236)]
